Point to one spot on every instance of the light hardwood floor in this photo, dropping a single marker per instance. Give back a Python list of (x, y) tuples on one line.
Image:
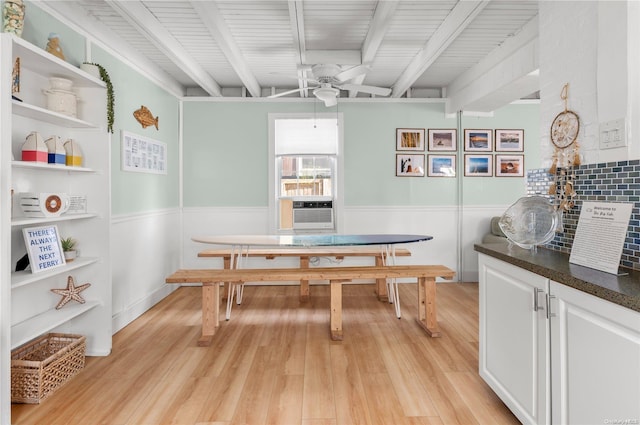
[(274, 363)]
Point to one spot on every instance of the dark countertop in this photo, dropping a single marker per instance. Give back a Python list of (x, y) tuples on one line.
[(621, 290)]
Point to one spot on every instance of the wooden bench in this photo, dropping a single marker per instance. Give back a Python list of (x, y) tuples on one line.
[(305, 255), (212, 278)]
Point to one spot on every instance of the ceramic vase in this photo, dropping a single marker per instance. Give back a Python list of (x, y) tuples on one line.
[(73, 152), (13, 17), (34, 149), (57, 153)]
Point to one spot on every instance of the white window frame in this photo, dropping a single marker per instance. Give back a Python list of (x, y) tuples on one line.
[(339, 172)]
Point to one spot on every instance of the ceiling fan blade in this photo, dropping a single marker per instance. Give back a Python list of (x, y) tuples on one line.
[(351, 73), (378, 91), (284, 93)]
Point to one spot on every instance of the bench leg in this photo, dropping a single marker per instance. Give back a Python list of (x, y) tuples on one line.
[(381, 284), (336, 310), (427, 306), (227, 265), (210, 312), (304, 284)]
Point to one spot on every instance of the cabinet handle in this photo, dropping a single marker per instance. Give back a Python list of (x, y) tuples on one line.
[(549, 313), (536, 304)]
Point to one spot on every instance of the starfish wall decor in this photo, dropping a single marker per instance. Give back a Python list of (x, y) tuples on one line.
[(72, 292)]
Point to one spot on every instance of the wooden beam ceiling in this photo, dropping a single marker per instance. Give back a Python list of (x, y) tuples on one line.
[(460, 17), (146, 23)]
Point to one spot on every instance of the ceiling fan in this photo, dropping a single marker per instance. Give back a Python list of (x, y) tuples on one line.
[(331, 78)]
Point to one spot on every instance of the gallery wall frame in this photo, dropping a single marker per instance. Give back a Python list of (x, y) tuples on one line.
[(509, 165), (478, 165), (509, 140), (409, 165), (478, 140), (441, 165), (410, 139), (443, 139)]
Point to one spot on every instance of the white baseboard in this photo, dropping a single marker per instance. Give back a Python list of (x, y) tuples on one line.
[(134, 311)]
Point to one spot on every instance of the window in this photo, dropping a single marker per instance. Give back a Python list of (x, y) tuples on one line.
[(304, 165)]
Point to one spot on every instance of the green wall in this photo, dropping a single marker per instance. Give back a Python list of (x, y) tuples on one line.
[(131, 192), (39, 24), (226, 153), (226, 143)]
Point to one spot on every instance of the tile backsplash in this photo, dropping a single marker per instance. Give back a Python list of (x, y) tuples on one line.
[(605, 182)]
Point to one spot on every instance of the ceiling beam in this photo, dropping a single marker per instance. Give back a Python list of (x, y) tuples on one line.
[(146, 23), (377, 30), (296, 18), (460, 17), (506, 74), (213, 20)]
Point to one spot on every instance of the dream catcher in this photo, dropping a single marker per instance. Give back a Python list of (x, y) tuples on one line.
[(566, 156)]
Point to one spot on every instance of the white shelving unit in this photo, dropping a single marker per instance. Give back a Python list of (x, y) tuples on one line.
[(27, 305)]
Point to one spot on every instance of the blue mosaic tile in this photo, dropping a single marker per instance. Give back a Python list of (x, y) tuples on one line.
[(604, 182)]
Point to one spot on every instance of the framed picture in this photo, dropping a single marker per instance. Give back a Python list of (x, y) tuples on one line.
[(441, 166), (142, 154), (510, 140), (509, 165), (478, 140), (443, 139), (478, 165), (410, 139), (409, 165)]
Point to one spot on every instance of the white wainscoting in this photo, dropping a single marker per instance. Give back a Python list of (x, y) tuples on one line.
[(441, 222), (145, 249), (148, 247)]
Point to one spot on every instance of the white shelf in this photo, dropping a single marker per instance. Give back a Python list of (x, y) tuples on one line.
[(23, 221), (34, 327), (41, 114), (43, 62), (25, 277), (25, 293), (52, 167)]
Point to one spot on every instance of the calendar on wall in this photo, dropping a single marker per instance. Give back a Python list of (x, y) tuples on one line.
[(142, 154)]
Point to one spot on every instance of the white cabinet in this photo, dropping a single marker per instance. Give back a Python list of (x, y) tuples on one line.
[(514, 338), (555, 354), (27, 305), (595, 346)]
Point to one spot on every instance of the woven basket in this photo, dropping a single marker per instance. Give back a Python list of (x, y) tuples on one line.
[(41, 366)]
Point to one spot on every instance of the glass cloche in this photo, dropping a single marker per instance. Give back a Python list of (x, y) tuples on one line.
[(529, 222)]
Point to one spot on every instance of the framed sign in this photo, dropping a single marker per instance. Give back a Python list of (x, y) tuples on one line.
[(43, 248), (142, 154)]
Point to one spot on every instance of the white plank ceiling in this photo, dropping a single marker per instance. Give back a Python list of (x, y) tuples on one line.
[(257, 48)]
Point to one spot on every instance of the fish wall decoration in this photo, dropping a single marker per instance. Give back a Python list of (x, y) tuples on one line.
[(145, 117)]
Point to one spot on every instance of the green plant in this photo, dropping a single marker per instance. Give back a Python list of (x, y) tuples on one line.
[(104, 76), (68, 243)]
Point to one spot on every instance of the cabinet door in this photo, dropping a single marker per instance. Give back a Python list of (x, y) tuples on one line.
[(595, 357), (514, 335)]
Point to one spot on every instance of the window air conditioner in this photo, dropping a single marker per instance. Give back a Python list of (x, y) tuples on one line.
[(317, 214)]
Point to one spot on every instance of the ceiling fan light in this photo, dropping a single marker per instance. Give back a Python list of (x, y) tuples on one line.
[(326, 94)]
